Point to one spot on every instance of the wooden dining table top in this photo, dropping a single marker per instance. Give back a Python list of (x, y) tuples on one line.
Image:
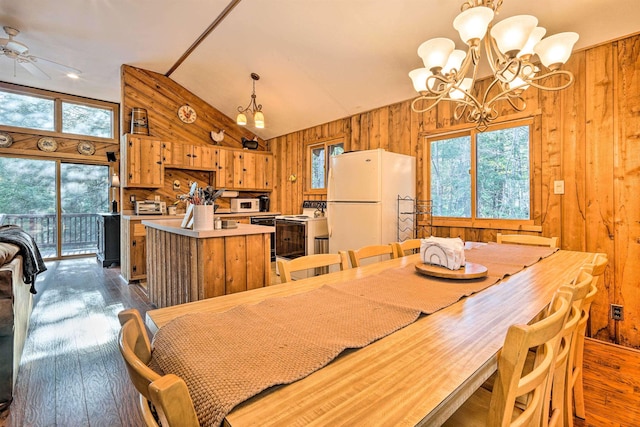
[(418, 375)]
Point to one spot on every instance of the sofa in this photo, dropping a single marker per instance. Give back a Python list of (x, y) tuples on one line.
[(16, 303)]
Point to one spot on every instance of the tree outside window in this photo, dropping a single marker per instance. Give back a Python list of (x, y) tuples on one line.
[(492, 184), (318, 160)]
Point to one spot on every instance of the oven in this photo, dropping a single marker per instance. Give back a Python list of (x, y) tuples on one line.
[(269, 221), (296, 236), (291, 237)]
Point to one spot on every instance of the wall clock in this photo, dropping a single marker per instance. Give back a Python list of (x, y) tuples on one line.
[(187, 114), (5, 140)]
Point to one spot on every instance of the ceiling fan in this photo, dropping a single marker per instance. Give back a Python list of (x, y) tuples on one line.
[(19, 52)]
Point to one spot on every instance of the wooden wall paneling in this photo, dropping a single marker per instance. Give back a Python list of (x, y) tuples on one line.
[(573, 157), (551, 162), (626, 190), (161, 96), (356, 129), (235, 261), (599, 98)]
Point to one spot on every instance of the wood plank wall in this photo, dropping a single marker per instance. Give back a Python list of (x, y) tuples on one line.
[(587, 135), (162, 97)]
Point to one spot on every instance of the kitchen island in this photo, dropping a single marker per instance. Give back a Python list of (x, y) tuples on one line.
[(184, 265)]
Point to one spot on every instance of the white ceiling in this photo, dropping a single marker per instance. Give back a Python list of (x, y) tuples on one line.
[(319, 60)]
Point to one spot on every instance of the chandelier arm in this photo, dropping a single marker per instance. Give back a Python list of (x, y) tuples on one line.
[(570, 79)]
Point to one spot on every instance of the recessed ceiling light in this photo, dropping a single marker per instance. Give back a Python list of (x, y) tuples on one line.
[(73, 76)]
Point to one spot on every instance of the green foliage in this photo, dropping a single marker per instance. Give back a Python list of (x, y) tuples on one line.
[(26, 111), (29, 186), (502, 175)]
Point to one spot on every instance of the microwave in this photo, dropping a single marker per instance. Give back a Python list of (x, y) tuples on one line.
[(245, 205), (151, 207)]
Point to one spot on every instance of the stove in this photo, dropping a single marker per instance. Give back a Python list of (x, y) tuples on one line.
[(296, 234)]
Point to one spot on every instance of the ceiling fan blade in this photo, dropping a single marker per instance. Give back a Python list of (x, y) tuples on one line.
[(33, 69), (59, 66)]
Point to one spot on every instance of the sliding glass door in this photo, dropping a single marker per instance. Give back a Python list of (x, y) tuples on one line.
[(57, 203)]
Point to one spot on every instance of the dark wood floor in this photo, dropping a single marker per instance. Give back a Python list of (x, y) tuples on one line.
[(72, 372)]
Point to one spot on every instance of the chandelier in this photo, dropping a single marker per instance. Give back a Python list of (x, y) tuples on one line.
[(253, 108), (510, 45)]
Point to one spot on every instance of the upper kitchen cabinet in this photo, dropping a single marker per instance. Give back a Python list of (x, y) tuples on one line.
[(223, 166), (243, 169), (187, 156), (142, 162), (264, 171)]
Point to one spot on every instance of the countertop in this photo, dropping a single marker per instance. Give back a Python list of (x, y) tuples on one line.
[(130, 215), (173, 226)]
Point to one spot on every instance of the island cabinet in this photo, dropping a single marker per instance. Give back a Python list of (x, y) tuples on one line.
[(142, 162), (188, 156), (186, 265), (133, 261)]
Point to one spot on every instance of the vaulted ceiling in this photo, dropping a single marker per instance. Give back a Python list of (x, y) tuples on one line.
[(318, 60)]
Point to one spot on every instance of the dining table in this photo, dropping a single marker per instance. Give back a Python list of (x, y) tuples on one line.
[(416, 376)]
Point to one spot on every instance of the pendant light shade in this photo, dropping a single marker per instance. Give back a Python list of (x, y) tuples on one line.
[(555, 50), (511, 34), (472, 23)]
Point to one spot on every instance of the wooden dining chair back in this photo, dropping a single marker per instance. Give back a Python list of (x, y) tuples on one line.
[(525, 239), (513, 380), (560, 379), (358, 255), (401, 248), (286, 267), (575, 389), (168, 394)]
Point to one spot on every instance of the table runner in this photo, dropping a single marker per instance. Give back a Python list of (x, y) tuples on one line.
[(283, 339)]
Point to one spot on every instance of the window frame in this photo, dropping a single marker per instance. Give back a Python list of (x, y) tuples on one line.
[(58, 99), (326, 144), (474, 221)]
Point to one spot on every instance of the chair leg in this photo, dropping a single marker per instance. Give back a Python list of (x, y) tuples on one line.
[(578, 396)]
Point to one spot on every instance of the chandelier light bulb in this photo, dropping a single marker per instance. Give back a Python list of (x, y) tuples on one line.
[(419, 78), (512, 34), (241, 119), (555, 50), (455, 61), (472, 24), (536, 35), (435, 52)]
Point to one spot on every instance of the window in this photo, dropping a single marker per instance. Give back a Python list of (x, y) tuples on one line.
[(481, 175), (28, 108), (318, 160)]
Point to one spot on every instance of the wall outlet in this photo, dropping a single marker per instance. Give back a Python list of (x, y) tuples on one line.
[(558, 187), (617, 312)]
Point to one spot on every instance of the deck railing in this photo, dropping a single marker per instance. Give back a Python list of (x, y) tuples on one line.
[(79, 231)]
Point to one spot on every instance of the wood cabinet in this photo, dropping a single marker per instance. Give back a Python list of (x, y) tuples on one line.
[(223, 167), (133, 249), (264, 171), (244, 166), (188, 156), (142, 162)]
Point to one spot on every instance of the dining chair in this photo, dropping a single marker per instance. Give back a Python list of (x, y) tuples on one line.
[(575, 388), (167, 394), (357, 255), (286, 267), (560, 379), (525, 239), (498, 407), (401, 248)]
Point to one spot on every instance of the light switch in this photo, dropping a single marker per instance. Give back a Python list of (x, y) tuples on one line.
[(558, 187)]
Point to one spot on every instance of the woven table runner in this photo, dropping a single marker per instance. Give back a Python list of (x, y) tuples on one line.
[(226, 358)]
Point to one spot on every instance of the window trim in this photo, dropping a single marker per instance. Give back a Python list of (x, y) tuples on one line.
[(58, 98), (473, 221), (325, 143)]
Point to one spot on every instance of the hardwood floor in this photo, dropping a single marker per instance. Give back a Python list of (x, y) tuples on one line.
[(72, 373)]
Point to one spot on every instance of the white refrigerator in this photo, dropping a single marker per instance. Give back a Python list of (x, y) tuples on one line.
[(362, 197)]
